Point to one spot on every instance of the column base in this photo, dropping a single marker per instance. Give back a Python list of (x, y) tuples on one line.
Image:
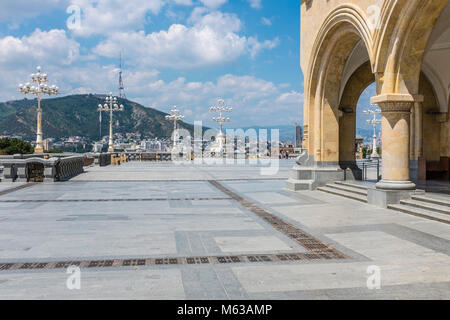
[(384, 198), (308, 174), (110, 149), (395, 185)]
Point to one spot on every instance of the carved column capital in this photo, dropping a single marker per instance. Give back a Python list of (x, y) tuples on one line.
[(396, 103)]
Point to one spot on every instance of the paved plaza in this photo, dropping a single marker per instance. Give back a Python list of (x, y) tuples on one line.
[(165, 231)]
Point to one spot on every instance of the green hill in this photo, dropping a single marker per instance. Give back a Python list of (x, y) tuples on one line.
[(77, 115)]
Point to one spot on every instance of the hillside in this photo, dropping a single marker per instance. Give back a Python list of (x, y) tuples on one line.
[(77, 115)]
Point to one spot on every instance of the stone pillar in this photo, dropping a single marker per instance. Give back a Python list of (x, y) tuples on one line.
[(412, 137), (418, 135), (396, 112)]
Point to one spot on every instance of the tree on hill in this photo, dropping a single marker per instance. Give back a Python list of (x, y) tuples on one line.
[(15, 146)]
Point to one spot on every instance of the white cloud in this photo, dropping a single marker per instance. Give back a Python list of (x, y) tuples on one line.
[(108, 16), (255, 101), (212, 39), (209, 38), (213, 3), (256, 4), (256, 47), (291, 98), (266, 21), (40, 47), (99, 16), (183, 2), (17, 10)]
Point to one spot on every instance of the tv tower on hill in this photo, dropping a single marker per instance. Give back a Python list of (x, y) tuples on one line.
[(121, 86)]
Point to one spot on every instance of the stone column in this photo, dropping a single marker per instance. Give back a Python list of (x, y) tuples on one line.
[(412, 135), (396, 112), (416, 147), (418, 135)]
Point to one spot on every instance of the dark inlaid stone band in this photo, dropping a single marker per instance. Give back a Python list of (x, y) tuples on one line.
[(175, 261), (317, 250), (8, 191), (306, 240)]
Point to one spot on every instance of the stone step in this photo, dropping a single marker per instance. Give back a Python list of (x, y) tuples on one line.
[(439, 202), (345, 194), (298, 185), (353, 185), (421, 213), (347, 188), (426, 206)]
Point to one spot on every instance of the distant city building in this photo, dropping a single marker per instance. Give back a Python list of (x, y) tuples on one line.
[(98, 147), (155, 145), (48, 144)]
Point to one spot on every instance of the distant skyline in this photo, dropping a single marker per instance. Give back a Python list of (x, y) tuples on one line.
[(176, 52)]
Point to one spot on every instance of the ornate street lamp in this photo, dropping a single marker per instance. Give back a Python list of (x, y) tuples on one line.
[(374, 122), (110, 106), (175, 116), (39, 87), (221, 108)]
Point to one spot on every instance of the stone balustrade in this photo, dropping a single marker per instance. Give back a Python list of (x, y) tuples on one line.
[(104, 159), (34, 169), (148, 156), (70, 167)]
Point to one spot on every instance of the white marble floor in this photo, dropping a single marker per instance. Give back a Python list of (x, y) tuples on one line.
[(150, 211)]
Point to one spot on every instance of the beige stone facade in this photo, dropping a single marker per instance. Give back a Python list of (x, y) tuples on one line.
[(403, 46)]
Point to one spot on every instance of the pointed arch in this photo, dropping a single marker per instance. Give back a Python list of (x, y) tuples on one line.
[(342, 30), (402, 41)]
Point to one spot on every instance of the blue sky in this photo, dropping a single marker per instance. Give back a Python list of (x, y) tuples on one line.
[(177, 52)]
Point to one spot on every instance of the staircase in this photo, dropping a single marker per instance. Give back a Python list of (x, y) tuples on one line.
[(347, 190), (423, 206), (420, 205)]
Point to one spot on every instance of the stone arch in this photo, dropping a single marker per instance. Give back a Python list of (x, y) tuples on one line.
[(357, 83), (438, 87), (342, 30), (431, 149), (408, 25)]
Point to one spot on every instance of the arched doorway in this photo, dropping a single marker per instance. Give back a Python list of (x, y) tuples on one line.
[(341, 50), (399, 65), (356, 85), (405, 42)]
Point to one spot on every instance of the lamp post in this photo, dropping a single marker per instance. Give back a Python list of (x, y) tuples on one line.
[(39, 87), (221, 108), (374, 122), (110, 106), (175, 116)]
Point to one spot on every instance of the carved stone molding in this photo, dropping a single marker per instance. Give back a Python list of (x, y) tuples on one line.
[(396, 103)]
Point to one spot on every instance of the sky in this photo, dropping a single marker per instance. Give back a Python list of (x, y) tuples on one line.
[(186, 53)]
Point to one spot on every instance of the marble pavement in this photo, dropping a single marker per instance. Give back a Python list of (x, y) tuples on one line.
[(163, 213)]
